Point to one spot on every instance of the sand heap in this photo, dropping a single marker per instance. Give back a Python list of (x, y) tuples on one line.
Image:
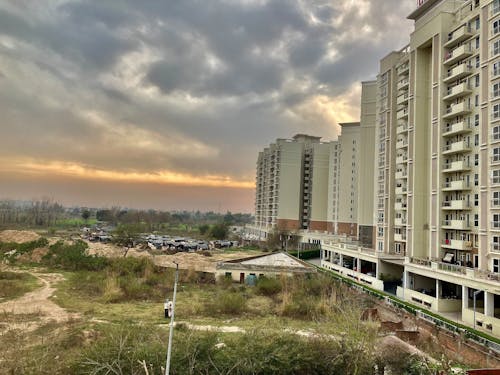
[(18, 236)]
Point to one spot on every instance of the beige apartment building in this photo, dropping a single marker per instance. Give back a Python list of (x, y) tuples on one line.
[(437, 166), (292, 186)]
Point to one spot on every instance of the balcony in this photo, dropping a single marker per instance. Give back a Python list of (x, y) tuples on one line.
[(400, 221), (457, 110), (456, 185), (401, 159), (402, 113), (459, 35), (403, 99), (401, 175), (461, 71), (402, 143), (495, 204), (457, 91), (458, 54), (461, 127), (456, 225), (403, 69), (457, 245), (400, 206), (456, 147), (403, 84), (401, 190), (400, 237), (456, 205), (402, 128)]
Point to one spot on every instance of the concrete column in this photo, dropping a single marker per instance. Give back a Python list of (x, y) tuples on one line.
[(341, 259), (465, 297), (358, 265), (438, 288), (489, 304), (405, 280)]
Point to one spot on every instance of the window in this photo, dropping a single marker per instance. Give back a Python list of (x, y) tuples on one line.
[(495, 90), (495, 243), (477, 43), (495, 201), (476, 80), (476, 200), (496, 48), (496, 69), (495, 133), (478, 24), (496, 27), (496, 221), (476, 141), (496, 154), (476, 101), (380, 231), (496, 112), (476, 180), (495, 7), (496, 265), (495, 176), (477, 61), (380, 246), (476, 120), (476, 160), (476, 220)]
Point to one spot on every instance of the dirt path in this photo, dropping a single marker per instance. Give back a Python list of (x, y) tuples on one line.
[(35, 308)]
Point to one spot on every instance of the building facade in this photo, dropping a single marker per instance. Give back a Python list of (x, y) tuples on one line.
[(437, 167)]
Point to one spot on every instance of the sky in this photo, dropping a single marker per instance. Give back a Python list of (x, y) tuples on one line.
[(166, 103)]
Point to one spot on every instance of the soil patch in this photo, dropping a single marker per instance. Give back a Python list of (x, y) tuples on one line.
[(18, 236)]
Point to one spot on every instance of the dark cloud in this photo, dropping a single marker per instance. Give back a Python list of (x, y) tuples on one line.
[(188, 86)]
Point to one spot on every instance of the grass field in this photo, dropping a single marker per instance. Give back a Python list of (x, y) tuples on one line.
[(15, 284)]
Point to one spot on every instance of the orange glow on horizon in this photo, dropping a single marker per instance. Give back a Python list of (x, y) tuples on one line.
[(73, 170)]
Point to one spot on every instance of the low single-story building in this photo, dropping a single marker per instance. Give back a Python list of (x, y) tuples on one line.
[(268, 265)]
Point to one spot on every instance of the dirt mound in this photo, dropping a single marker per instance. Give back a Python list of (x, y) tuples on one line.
[(34, 256), (18, 236)]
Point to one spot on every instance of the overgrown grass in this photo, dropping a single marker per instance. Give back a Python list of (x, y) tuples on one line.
[(15, 284)]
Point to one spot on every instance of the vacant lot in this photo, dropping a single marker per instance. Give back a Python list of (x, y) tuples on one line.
[(105, 315)]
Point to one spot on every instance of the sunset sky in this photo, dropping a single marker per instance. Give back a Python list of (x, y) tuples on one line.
[(166, 103)]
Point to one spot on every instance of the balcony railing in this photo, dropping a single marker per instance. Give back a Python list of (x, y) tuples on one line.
[(460, 71), (457, 54)]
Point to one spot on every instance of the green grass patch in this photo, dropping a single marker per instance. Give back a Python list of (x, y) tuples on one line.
[(15, 284)]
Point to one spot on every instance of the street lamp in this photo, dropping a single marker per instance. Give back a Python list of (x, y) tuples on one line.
[(171, 333), (474, 295)]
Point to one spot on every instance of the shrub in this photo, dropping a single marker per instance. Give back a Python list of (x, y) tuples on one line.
[(227, 302), (268, 286), (73, 257)]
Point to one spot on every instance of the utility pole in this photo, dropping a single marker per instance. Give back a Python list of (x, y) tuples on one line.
[(171, 333)]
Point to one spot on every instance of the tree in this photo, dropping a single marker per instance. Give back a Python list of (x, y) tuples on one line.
[(127, 234), (203, 228), (219, 231), (85, 215)]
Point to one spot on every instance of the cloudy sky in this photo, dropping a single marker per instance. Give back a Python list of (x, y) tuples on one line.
[(166, 103)]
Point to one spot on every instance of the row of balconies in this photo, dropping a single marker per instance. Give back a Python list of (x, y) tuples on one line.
[(458, 109), (460, 90), (459, 204), (456, 147), (458, 72), (464, 32), (456, 166), (456, 185), (461, 127), (458, 54)]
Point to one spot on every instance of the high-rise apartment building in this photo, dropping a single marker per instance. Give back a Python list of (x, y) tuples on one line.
[(344, 165), (437, 167), (292, 185)]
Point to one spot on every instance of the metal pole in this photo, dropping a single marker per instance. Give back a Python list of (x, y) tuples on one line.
[(474, 298), (171, 333)]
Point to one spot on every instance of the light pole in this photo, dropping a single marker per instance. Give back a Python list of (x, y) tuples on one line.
[(474, 295), (171, 333)]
